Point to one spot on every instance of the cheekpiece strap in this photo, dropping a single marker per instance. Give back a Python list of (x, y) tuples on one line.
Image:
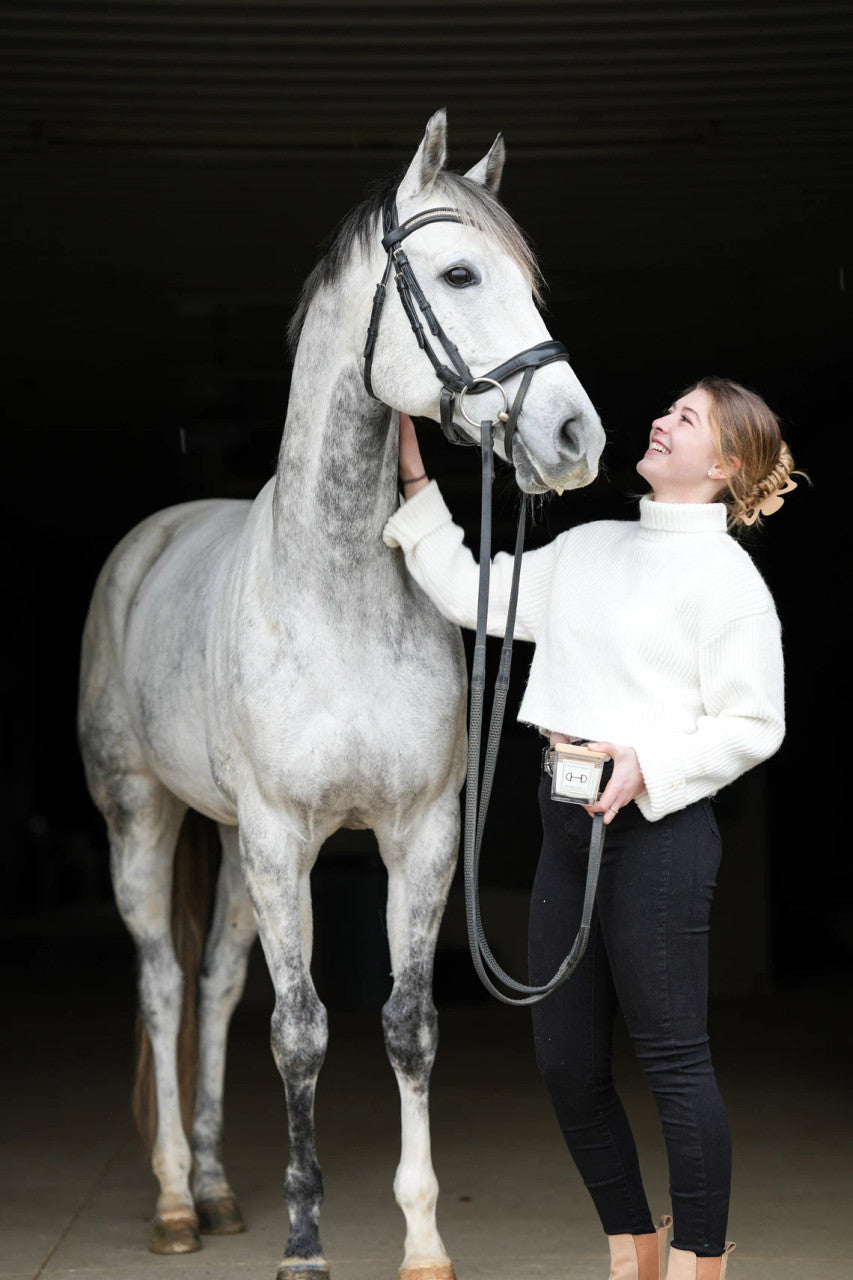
[(447, 403)]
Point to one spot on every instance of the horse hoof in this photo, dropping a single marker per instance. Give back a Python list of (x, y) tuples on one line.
[(302, 1269), (219, 1217), (174, 1234), (432, 1271)]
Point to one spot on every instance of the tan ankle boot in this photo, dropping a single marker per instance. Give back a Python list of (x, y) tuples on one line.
[(684, 1265), (640, 1257)]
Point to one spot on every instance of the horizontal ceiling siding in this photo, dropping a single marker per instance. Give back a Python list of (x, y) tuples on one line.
[(337, 73), (130, 109)]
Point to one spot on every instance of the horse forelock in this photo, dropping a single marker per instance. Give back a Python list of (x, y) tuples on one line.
[(477, 206)]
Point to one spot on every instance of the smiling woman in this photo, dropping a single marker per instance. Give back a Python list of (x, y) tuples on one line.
[(657, 642)]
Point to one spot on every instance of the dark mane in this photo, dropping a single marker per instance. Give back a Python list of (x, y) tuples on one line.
[(477, 205)]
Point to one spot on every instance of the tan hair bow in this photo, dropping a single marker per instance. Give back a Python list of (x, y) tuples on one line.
[(769, 505)]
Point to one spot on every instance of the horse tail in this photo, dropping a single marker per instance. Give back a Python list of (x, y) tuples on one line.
[(193, 877)]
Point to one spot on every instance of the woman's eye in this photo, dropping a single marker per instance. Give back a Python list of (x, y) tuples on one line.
[(459, 277)]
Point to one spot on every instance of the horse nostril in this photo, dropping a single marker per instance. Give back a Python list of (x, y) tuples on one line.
[(569, 435)]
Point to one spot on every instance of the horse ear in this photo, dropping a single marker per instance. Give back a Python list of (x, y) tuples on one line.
[(429, 159), (488, 171)]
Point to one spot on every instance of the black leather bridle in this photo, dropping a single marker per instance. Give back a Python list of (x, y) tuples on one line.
[(457, 380)]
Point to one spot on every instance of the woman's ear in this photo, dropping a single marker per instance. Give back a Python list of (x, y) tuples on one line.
[(721, 472)]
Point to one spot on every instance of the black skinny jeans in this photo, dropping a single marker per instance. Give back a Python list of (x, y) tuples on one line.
[(648, 954)]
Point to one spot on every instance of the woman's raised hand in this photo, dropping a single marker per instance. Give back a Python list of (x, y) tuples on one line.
[(413, 475)]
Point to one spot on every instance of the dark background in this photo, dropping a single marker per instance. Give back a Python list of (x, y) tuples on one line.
[(171, 171)]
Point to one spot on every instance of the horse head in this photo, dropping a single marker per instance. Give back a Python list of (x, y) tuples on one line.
[(479, 278)]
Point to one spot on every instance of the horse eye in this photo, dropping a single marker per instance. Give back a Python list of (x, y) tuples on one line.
[(459, 277)]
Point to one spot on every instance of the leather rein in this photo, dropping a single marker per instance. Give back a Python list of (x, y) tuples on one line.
[(457, 381)]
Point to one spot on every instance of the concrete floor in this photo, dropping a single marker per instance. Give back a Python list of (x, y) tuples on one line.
[(77, 1192)]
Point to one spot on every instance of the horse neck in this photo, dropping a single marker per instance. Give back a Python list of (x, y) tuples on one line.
[(336, 480)]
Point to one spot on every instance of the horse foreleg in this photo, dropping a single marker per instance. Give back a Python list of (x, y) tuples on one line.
[(226, 956), (277, 866), (143, 821), (420, 862)]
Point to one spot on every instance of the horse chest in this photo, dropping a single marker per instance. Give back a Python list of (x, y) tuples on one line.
[(333, 717)]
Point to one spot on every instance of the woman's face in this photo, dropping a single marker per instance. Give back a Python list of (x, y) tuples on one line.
[(682, 452)]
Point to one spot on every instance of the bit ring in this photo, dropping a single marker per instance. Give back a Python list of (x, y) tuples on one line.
[(502, 415)]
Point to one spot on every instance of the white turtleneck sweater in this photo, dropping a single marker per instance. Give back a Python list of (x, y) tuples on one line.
[(659, 634)]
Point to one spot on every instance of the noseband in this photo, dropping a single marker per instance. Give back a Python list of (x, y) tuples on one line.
[(457, 381), (455, 377)]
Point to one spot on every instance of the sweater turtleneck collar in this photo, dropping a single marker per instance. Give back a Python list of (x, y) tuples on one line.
[(682, 517)]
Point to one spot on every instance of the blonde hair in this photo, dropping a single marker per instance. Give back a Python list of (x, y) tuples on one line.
[(746, 429)]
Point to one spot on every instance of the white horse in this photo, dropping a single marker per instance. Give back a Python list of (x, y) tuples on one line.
[(270, 665)]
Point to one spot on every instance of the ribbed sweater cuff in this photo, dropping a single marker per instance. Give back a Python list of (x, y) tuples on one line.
[(414, 519), (665, 778)]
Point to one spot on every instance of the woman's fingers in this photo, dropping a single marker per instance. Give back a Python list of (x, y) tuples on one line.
[(608, 808), (411, 463), (625, 783), (609, 803)]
